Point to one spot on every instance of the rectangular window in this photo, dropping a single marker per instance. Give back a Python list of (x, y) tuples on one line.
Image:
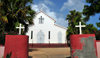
[(31, 34), (49, 35)]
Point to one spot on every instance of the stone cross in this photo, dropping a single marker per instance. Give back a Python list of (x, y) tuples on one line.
[(80, 27), (20, 27)]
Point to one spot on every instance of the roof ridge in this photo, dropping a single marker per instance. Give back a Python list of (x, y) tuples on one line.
[(51, 18), (46, 15), (60, 26)]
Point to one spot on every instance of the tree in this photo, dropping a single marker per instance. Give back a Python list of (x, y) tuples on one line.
[(73, 19), (91, 9), (89, 29), (97, 33), (13, 12)]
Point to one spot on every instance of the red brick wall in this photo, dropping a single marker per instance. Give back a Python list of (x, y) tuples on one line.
[(17, 45)]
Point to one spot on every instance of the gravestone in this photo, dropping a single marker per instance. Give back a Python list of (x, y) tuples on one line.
[(17, 45)]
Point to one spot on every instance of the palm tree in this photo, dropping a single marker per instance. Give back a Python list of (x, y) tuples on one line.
[(13, 12), (73, 19)]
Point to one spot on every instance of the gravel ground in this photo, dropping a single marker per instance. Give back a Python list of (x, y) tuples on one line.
[(49, 52)]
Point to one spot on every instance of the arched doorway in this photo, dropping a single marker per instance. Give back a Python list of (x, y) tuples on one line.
[(59, 37), (40, 37)]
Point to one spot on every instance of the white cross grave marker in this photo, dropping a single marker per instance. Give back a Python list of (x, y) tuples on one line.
[(80, 27), (20, 27)]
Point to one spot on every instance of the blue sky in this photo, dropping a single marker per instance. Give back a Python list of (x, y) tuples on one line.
[(58, 9)]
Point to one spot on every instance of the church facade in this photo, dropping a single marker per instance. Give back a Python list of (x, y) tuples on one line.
[(45, 30)]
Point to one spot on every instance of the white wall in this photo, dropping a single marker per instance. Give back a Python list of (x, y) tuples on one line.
[(48, 25), (98, 48)]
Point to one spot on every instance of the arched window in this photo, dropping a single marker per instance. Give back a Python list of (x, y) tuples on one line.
[(59, 37), (40, 37)]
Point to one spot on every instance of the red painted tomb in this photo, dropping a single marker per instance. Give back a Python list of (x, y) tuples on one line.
[(17, 45), (83, 46)]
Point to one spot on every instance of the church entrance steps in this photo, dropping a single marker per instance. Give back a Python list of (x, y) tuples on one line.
[(51, 45), (49, 52)]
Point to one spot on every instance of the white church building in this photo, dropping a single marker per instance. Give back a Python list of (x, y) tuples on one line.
[(45, 30)]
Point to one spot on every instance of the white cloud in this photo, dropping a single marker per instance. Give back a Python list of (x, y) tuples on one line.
[(73, 4), (48, 2), (35, 7), (59, 19), (44, 8)]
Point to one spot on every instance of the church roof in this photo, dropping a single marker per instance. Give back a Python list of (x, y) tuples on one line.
[(52, 19), (60, 26), (47, 15)]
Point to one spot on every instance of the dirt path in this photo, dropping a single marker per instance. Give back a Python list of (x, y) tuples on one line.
[(49, 52)]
